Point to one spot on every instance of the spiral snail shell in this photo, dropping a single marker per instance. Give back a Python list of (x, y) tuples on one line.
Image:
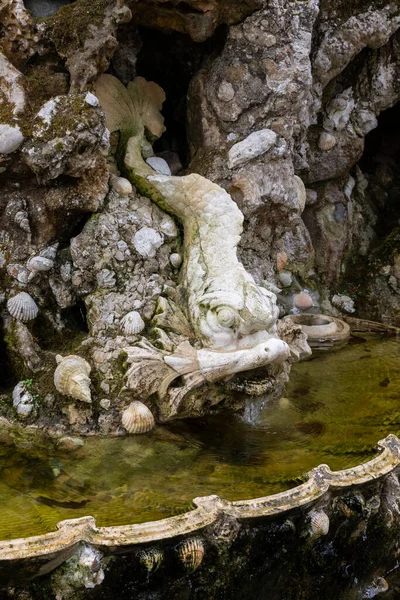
[(71, 377)]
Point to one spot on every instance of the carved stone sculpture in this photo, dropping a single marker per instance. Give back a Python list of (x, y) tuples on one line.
[(231, 319)]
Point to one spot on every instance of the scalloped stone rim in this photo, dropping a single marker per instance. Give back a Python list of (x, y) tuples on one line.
[(207, 510)]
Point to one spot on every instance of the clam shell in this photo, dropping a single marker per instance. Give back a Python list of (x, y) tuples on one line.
[(137, 418), (151, 559), (39, 263), (132, 323), (147, 241), (22, 307), (190, 553), (319, 523), (71, 377), (121, 185), (326, 141)]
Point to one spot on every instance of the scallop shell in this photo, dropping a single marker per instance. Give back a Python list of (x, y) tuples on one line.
[(71, 377), (121, 185), (151, 559), (132, 323), (319, 523), (190, 553), (137, 418), (39, 263), (326, 141), (175, 259), (22, 307), (147, 241)]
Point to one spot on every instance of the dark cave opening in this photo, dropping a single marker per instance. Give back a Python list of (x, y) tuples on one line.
[(45, 8), (7, 379), (172, 60), (380, 162)]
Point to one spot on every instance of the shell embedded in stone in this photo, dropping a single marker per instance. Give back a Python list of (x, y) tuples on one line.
[(147, 241), (326, 141), (175, 259), (71, 377), (121, 185), (151, 559), (191, 553), (132, 323), (22, 307), (137, 418), (319, 523), (39, 263)]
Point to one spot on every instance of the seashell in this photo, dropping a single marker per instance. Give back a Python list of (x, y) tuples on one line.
[(39, 264), (137, 418), (168, 227), (175, 259), (121, 185), (378, 586), (71, 377), (151, 559), (159, 165), (132, 323), (190, 553), (326, 141), (21, 219), (106, 278), (50, 252), (319, 523), (303, 301), (22, 307), (147, 241)]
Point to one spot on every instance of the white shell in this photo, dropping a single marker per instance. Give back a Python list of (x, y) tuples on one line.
[(326, 141), (39, 263), (22, 307), (71, 377), (147, 241), (22, 400), (175, 259), (159, 165), (190, 553), (132, 323), (137, 418), (121, 185), (319, 523), (151, 559)]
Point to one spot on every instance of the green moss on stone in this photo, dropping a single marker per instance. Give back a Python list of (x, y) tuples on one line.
[(70, 27)]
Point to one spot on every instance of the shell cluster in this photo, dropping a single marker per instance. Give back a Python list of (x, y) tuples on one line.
[(71, 377), (137, 418), (319, 523), (132, 323), (191, 553), (151, 559), (22, 307)]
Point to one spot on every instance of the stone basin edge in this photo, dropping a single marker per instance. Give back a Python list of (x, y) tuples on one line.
[(206, 512)]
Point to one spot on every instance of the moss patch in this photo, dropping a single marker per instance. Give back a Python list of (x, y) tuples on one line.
[(70, 27)]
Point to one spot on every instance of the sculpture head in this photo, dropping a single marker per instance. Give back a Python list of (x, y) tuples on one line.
[(237, 318)]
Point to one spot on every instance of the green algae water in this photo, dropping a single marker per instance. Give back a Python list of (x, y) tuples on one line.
[(337, 406)]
